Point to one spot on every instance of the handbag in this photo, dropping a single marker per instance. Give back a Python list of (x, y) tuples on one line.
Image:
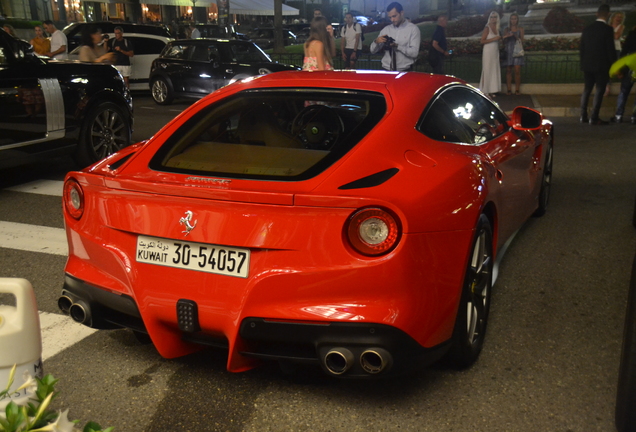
[(518, 50)]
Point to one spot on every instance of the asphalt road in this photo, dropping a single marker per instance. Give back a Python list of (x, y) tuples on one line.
[(550, 362)]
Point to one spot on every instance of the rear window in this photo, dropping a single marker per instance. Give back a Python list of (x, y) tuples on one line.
[(291, 134)]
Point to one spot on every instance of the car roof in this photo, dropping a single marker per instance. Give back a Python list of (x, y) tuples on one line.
[(203, 41), (143, 35)]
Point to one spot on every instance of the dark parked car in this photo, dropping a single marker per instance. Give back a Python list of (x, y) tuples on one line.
[(264, 37), (214, 31), (49, 107), (73, 31), (197, 67)]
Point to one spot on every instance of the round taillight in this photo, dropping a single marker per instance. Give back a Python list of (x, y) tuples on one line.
[(73, 198), (373, 231)]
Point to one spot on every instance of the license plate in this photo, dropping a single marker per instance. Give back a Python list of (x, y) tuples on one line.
[(203, 257)]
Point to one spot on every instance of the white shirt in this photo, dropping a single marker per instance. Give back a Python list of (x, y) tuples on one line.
[(58, 39), (195, 34), (407, 37), (349, 35)]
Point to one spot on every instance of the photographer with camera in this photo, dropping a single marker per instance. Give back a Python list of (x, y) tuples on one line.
[(400, 41)]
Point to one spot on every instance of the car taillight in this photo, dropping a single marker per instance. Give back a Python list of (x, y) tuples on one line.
[(73, 198), (373, 231)]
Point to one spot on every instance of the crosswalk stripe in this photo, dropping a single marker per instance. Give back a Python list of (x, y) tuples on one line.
[(60, 332), (42, 187), (33, 238)]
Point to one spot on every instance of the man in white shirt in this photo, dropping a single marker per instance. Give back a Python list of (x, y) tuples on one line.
[(58, 41), (351, 44), (405, 47), (194, 32)]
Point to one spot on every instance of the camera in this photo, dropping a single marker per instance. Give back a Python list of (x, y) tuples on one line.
[(388, 42)]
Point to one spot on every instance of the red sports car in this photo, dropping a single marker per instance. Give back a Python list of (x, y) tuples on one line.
[(352, 220)]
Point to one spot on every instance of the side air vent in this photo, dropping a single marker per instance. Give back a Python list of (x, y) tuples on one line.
[(371, 180)]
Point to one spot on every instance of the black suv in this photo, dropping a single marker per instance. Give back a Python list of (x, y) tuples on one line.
[(49, 108), (197, 67), (73, 31)]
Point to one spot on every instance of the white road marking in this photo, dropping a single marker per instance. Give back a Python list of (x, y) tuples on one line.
[(60, 332), (33, 238), (42, 187)]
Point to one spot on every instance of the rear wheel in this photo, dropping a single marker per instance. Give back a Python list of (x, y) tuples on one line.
[(626, 394), (106, 131), (162, 92), (546, 184), (474, 305)]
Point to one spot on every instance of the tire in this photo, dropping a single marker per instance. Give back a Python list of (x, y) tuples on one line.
[(474, 305), (106, 130), (546, 183), (634, 216), (142, 338), (162, 91), (625, 417)]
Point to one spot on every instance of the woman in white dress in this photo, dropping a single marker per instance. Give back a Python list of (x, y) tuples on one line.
[(490, 82)]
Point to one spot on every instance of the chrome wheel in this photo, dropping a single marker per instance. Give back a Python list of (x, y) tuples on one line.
[(472, 316), (109, 133), (546, 183), (161, 92), (106, 131)]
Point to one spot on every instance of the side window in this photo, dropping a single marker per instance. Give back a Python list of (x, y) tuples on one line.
[(146, 45), (179, 52), (464, 116), (199, 53)]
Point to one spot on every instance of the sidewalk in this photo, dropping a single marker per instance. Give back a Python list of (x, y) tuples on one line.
[(553, 105)]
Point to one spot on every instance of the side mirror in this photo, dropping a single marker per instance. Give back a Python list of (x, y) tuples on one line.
[(526, 119)]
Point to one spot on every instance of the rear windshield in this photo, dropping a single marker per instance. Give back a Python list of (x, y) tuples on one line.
[(274, 134)]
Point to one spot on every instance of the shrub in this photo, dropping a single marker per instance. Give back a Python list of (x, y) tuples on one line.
[(561, 20), (465, 27)]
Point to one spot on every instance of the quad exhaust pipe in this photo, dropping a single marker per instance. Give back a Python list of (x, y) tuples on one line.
[(338, 360), (78, 310), (372, 360)]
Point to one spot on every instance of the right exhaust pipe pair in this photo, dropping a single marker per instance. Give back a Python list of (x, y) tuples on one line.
[(372, 360)]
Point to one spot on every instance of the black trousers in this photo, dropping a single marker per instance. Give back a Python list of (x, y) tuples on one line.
[(600, 80)]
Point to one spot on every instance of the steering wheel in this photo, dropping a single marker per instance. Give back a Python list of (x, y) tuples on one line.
[(318, 127)]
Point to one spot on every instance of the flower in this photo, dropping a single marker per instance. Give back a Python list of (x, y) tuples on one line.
[(30, 384), (61, 424)]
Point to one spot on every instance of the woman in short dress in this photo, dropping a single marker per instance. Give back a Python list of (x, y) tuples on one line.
[(512, 34), (490, 82), (320, 46)]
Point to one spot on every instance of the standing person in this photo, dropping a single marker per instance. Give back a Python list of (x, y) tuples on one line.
[(629, 47), (317, 13), (41, 45), (617, 21), (403, 40), (194, 31), (319, 46), (123, 50), (351, 43), (58, 41), (490, 82), (438, 46), (597, 55), (91, 50), (512, 34)]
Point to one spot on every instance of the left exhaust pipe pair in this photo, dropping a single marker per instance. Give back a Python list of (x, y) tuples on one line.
[(79, 310)]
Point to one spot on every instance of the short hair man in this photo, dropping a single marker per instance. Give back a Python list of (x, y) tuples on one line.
[(59, 42), (317, 13), (351, 44), (401, 53), (123, 50), (194, 31), (438, 46), (597, 54)]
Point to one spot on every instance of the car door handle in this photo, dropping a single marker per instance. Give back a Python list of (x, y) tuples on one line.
[(229, 71)]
